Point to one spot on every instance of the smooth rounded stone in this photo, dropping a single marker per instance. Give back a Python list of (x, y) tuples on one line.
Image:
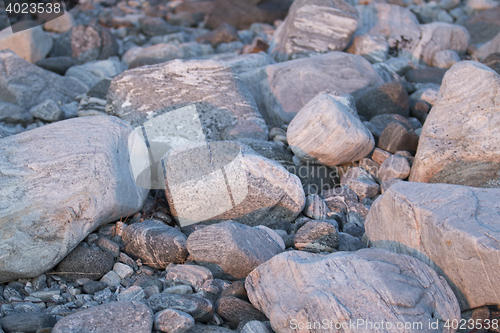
[(459, 143), (225, 33), (224, 108), (388, 183), (31, 44), (235, 310), (85, 262), (199, 308), (60, 24), (107, 245), (372, 48), (419, 109), (236, 289), (13, 114), (397, 136), (26, 322), (162, 51), (426, 75), (133, 293), (247, 62), (388, 98), (372, 285), (316, 207), (227, 180), (314, 26), (380, 155), (231, 250), (361, 182), (452, 228), (111, 279), (282, 90), (272, 150), (173, 321), (58, 65), (133, 317), (123, 271), (193, 50), (256, 326), (317, 237), (155, 244), (85, 192), (91, 287), (445, 59), (179, 290), (490, 47), (428, 93), (395, 166), (329, 132), (156, 26), (93, 72), (26, 85), (189, 274), (348, 242), (47, 111)]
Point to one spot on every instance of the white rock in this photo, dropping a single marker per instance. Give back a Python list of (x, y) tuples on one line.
[(173, 321), (111, 279), (123, 271), (445, 59), (61, 24), (31, 44)]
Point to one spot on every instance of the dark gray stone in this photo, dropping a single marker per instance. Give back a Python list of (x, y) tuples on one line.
[(235, 310), (236, 289), (317, 237), (426, 75), (92, 287), (26, 322), (85, 262), (348, 242), (199, 308), (100, 89), (156, 26), (396, 137), (387, 98), (58, 65)]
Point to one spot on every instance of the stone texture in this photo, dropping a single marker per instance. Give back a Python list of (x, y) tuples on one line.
[(13, 114), (329, 132), (133, 293), (85, 192), (231, 250), (159, 53), (31, 44), (490, 47), (94, 72), (397, 136), (483, 25), (361, 182), (109, 318), (47, 111), (189, 274), (235, 310), (111, 279), (452, 228), (84, 262), (27, 85), (372, 48), (459, 142), (369, 284), (155, 243), (199, 308), (388, 98), (156, 26), (445, 59), (173, 321), (26, 322), (395, 166), (316, 207), (315, 26), (225, 33), (426, 75), (58, 65), (61, 24), (348, 242), (317, 237), (281, 90)]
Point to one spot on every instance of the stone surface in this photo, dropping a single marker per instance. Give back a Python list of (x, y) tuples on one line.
[(173, 321), (156, 244), (47, 111), (199, 308), (133, 293), (27, 85), (188, 274), (123, 271), (84, 262), (329, 132), (395, 166), (397, 136), (361, 182), (426, 75), (93, 72), (58, 65), (490, 47), (85, 192), (108, 318), (369, 284), (452, 228), (483, 25), (373, 48), (225, 33), (459, 142), (61, 24), (281, 90), (388, 98), (315, 26), (31, 44), (348, 242), (111, 279), (92, 287), (235, 310), (26, 322), (445, 59), (256, 326), (316, 207), (317, 237), (13, 114), (230, 249)]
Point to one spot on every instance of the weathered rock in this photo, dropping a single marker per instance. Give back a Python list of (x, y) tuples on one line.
[(152, 55), (231, 249), (84, 262), (348, 242), (428, 93), (27, 322), (85, 192), (27, 85), (257, 46), (316, 207), (133, 293), (372, 48), (199, 308), (200, 328), (459, 142), (396, 136), (247, 62), (13, 114), (173, 321), (192, 275), (483, 25), (256, 326), (272, 150), (156, 26), (107, 318), (315, 26), (48, 111), (235, 310), (111, 279), (93, 72), (329, 132), (295, 288), (490, 47), (225, 33), (388, 98), (388, 183), (226, 180), (91, 106), (380, 155), (317, 237), (426, 75), (61, 24), (31, 44), (58, 65), (92, 287), (281, 90), (361, 182), (83, 43), (445, 59), (395, 166), (451, 228), (156, 244)]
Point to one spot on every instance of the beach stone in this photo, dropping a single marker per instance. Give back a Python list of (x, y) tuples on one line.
[(201, 328), (369, 284), (199, 308), (246, 62), (338, 138), (490, 47), (282, 90), (445, 59), (469, 158), (91, 287), (483, 25), (192, 275), (348, 242), (388, 183), (396, 136), (26, 85), (317, 237), (85, 192), (316, 207), (82, 42), (231, 250), (272, 150), (30, 44), (47, 111), (361, 182), (26, 322), (94, 72), (60, 24), (155, 244), (451, 228), (372, 48), (235, 310), (111, 279), (256, 326), (388, 98), (152, 55), (315, 26), (13, 114), (133, 293), (111, 317), (58, 65), (123, 271), (85, 262), (395, 166), (173, 321), (380, 155), (225, 33)]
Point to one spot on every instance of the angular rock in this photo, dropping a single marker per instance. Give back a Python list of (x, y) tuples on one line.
[(235, 310), (92, 287), (111, 279), (93, 72), (13, 114), (317, 237), (173, 321), (91, 106), (388, 183), (199, 308), (134, 293), (395, 166), (52, 198), (84, 262), (361, 182), (329, 132), (445, 59), (459, 142), (315, 26), (230, 249), (380, 155), (453, 229), (48, 111), (123, 271), (189, 274), (396, 136), (31, 44), (370, 284), (107, 318), (372, 48), (388, 98), (155, 244), (316, 207), (27, 322), (281, 90)]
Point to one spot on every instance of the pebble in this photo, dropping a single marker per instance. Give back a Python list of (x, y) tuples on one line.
[(122, 270), (199, 308), (111, 279), (133, 293), (173, 321)]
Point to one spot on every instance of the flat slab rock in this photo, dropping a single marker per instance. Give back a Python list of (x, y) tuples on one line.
[(460, 141), (60, 182), (452, 228), (367, 286)]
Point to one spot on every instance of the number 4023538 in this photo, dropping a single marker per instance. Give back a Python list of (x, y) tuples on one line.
[(33, 8)]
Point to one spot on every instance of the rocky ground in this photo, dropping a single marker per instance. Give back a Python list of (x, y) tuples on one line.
[(255, 166)]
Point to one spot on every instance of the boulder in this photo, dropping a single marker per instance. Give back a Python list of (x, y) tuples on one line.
[(315, 26), (84, 262), (31, 44), (460, 143), (452, 228), (281, 90), (388, 98), (329, 132), (352, 290), (61, 181)]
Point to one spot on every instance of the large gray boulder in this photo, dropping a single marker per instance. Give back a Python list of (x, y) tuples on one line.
[(454, 229), (351, 292), (282, 89), (460, 141), (59, 182)]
